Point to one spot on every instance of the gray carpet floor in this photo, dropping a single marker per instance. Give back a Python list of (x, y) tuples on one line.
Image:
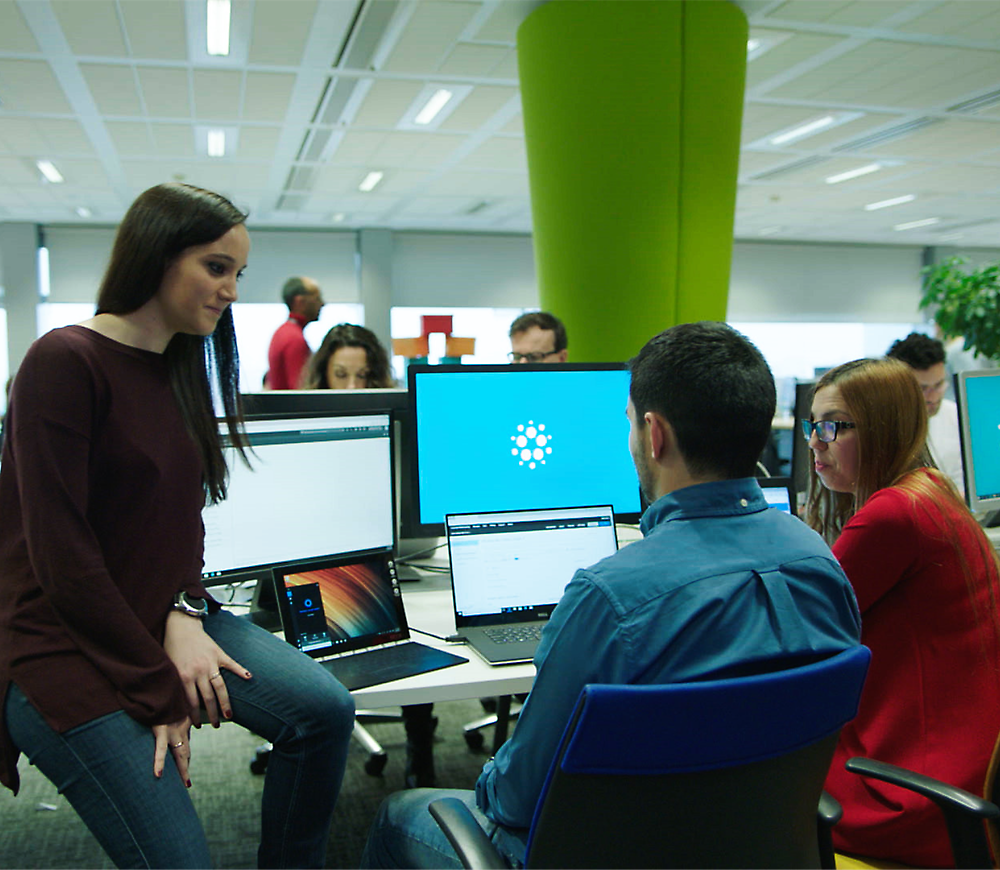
[(38, 828)]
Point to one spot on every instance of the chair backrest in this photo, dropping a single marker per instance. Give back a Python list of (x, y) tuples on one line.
[(991, 791), (722, 773)]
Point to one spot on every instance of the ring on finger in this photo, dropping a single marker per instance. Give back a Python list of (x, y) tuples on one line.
[(177, 745), (216, 674)]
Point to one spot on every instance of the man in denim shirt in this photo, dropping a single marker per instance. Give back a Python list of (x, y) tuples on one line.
[(719, 586)]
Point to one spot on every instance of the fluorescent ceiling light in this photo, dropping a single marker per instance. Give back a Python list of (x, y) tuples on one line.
[(434, 105), (44, 285), (912, 225), (216, 143), (752, 45), (371, 179), (885, 203), (768, 231), (338, 217), (951, 237), (49, 171), (217, 26), (83, 211), (803, 130), (854, 173)]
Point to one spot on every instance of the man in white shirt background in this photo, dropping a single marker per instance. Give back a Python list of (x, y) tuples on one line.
[(926, 356)]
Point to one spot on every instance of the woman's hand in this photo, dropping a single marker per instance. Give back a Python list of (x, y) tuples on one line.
[(199, 661), (175, 737)]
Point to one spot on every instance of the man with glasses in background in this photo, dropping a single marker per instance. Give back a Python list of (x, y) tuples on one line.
[(925, 356), (538, 337)]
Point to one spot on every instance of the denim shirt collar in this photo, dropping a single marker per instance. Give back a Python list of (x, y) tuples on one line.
[(720, 498)]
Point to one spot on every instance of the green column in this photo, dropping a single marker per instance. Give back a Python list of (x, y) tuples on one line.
[(632, 113)]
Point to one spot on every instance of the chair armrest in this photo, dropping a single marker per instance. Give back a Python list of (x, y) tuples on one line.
[(963, 811), (467, 838), (828, 814)]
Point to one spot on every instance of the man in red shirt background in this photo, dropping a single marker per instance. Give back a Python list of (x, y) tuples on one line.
[(289, 352)]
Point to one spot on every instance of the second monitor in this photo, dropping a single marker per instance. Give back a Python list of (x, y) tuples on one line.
[(490, 437)]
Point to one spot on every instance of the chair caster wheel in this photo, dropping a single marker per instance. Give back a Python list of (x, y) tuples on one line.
[(375, 764), (474, 740), (259, 763)]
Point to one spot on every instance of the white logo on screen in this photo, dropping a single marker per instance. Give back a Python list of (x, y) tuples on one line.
[(532, 444)]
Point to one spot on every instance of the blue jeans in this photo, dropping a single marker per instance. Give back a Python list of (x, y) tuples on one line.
[(404, 833), (105, 767)]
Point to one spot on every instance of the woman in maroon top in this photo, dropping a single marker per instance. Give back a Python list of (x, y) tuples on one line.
[(926, 581), (110, 646)]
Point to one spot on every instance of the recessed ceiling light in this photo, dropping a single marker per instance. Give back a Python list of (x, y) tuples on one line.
[(867, 169), (803, 130), (216, 143), (49, 171), (885, 203), (83, 211), (951, 237), (434, 105), (370, 180), (769, 231), (912, 225), (752, 45), (217, 27), (338, 217)]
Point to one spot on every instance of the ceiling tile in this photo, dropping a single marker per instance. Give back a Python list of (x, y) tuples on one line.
[(217, 94), (91, 27), (386, 102), (398, 182), (966, 178), (498, 153), (417, 150), (130, 137), (268, 96), (21, 137), (173, 140), (166, 92), (113, 88), (478, 107), (949, 139), (156, 31), (30, 86), (429, 35), (787, 54), (507, 68), (258, 143), (965, 19), (478, 184), (82, 172), (14, 33), (357, 147), (63, 136), (502, 25), (842, 12), (280, 31), (338, 179), (472, 59)]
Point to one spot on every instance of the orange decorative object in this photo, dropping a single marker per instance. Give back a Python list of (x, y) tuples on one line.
[(410, 347), (455, 346)]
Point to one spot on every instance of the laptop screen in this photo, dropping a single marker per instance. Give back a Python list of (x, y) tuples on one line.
[(778, 493), (516, 564), (341, 604)]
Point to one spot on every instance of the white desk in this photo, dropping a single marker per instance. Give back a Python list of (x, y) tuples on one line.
[(428, 606)]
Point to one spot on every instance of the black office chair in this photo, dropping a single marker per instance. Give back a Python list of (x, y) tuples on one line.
[(973, 822), (722, 773)]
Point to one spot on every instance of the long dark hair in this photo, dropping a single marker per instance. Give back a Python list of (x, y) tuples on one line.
[(350, 335), (163, 222)]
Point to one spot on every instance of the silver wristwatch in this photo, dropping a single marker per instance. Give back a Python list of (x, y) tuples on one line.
[(197, 607)]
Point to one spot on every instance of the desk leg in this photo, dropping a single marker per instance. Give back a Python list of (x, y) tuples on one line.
[(503, 719)]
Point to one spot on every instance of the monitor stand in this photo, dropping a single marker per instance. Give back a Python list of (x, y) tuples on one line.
[(419, 550)]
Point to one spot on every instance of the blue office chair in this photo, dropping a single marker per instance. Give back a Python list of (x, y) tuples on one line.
[(722, 773)]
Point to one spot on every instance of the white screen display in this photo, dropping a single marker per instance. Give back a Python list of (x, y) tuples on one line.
[(318, 486)]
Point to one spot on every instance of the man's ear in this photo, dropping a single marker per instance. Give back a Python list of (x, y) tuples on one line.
[(661, 435)]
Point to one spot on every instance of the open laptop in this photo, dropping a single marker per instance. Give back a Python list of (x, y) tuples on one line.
[(347, 612), (779, 493), (509, 569)]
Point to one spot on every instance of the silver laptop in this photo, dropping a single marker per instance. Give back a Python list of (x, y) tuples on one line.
[(509, 569)]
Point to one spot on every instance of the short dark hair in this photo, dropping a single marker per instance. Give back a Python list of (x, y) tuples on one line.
[(158, 227), (918, 351), (543, 320), (350, 335), (293, 287), (716, 391)]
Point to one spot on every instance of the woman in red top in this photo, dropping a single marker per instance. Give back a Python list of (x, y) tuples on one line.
[(926, 580), (110, 646)]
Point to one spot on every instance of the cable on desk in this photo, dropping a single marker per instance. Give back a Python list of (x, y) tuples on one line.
[(430, 569), (405, 560), (451, 638)]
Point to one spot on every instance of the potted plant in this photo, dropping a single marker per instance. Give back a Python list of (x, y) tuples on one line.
[(966, 303)]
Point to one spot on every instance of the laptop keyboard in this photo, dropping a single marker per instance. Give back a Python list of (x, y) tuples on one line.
[(514, 633)]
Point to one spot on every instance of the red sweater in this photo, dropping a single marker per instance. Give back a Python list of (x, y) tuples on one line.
[(931, 702), (100, 499), (287, 355)]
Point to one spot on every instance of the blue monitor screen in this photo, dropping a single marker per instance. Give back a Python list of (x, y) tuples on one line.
[(979, 406), (492, 438)]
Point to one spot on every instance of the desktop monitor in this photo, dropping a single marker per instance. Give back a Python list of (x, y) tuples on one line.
[(318, 485), (516, 437), (978, 397)]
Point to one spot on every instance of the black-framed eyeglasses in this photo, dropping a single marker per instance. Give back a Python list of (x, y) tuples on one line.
[(536, 357), (826, 430)]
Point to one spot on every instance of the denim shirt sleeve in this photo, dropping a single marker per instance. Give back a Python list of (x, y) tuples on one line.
[(509, 786)]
